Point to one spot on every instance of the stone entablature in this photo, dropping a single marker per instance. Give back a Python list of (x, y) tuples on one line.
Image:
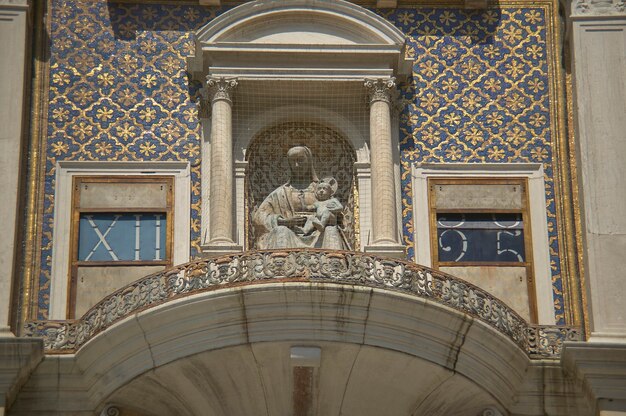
[(319, 266)]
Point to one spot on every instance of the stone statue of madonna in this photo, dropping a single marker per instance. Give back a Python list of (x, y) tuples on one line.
[(281, 218)]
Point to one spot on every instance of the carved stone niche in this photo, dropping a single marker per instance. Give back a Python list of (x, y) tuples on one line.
[(293, 45), (268, 169)]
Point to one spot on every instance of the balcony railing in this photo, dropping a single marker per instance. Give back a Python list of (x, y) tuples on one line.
[(339, 267)]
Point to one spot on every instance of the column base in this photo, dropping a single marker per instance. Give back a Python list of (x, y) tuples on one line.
[(216, 250), (5, 332), (394, 250)]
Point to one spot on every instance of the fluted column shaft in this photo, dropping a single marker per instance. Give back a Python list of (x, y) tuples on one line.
[(384, 215), (221, 183)]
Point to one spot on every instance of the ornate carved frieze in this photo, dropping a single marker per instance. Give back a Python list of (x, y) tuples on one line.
[(380, 89), (598, 7), (220, 88), (338, 267), (547, 341)]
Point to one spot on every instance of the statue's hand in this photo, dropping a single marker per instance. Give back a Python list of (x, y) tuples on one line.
[(292, 222)]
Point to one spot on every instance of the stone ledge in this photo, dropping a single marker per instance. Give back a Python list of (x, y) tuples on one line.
[(601, 367)]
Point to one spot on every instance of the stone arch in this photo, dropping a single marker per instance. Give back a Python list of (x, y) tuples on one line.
[(431, 336)]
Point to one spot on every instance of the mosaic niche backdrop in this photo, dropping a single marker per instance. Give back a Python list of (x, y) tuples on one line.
[(268, 167), (118, 90)]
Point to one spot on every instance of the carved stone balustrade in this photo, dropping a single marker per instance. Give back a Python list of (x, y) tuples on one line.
[(321, 266)]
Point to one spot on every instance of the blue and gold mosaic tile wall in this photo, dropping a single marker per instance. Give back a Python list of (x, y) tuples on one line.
[(119, 91)]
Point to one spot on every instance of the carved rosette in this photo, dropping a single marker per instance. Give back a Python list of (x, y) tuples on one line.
[(220, 88), (380, 89)]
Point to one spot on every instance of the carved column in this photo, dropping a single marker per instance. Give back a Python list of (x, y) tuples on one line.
[(384, 238), (221, 168)]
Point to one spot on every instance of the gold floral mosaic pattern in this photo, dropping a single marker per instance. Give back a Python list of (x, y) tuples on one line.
[(480, 93), (119, 91)]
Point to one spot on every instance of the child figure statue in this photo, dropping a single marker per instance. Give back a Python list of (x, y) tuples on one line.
[(326, 207)]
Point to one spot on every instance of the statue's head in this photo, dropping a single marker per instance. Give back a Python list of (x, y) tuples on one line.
[(300, 161), (326, 188)]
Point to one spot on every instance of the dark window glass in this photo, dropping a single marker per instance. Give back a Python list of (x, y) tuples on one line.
[(480, 238), (122, 236)]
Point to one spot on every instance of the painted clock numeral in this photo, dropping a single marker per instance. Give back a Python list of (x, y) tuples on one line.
[(480, 238), (122, 237)]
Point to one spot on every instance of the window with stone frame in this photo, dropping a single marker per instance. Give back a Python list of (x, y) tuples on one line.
[(121, 229), (480, 231)]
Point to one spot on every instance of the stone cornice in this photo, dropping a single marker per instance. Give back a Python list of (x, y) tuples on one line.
[(601, 366)]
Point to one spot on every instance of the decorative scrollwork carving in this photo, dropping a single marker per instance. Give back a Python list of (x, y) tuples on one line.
[(220, 88), (110, 410), (491, 411), (345, 267), (547, 340), (380, 89)]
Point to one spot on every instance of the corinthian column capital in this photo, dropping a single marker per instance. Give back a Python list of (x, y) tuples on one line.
[(380, 89), (220, 88)]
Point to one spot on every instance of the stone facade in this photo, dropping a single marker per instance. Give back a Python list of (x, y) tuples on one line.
[(209, 89)]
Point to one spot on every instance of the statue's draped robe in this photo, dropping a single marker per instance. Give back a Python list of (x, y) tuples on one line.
[(270, 235)]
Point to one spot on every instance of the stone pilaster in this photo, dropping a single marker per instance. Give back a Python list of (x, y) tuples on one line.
[(598, 42), (14, 32), (385, 235), (241, 169), (221, 168)]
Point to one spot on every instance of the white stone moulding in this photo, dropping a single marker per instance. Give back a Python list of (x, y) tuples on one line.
[(67, 170), (421, 172)]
